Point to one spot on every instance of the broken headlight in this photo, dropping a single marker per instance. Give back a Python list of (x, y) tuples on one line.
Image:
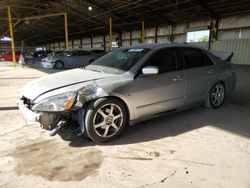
[(56, 103)]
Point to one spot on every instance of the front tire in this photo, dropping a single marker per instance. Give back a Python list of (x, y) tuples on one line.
[(105, 119), (216, 96)]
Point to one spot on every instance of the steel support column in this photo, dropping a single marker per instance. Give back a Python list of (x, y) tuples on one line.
[(12, 37), (142, 32), (156, 34), (110, 33), (172, 34), (66, 31), (104, 41), (81, 42), (91, 40), (130, 38)]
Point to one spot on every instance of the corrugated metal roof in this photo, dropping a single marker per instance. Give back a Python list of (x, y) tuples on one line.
[(126, 15)]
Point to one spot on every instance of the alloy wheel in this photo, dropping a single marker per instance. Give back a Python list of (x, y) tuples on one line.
[(217, 95), (108, 120)]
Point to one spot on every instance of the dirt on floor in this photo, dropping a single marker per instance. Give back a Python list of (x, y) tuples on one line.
[(198, 147)]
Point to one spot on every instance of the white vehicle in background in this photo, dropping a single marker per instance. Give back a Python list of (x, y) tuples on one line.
[(69, 59)]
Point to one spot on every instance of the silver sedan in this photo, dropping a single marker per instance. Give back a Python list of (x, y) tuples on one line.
[(126, 86), (69, 59)]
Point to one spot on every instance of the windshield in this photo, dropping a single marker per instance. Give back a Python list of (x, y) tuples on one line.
[(118, 61)]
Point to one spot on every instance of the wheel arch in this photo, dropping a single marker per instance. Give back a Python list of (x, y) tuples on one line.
[(207, 102), (223, 83), (82, 113), (86, 117), (213, 83), (124, 103)]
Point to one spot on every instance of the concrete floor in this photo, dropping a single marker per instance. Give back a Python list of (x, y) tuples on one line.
[(195, 148)]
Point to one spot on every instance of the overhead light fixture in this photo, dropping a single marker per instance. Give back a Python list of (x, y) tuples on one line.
[(90, 8)]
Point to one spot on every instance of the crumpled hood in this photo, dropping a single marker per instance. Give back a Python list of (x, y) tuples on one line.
[(58, 80)]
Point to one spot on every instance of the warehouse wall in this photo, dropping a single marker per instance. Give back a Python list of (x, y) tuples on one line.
[(234, 27), (6, 47), (233, 35), (240, 48)]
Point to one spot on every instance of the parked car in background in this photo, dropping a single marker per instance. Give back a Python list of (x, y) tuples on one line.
[(41, 53), (98, 52), (69, 59), (60, 52), (8, 56), (125, 86)]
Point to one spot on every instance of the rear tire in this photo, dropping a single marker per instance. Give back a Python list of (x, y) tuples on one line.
[(216, 96), (105, 119), (59, 65)]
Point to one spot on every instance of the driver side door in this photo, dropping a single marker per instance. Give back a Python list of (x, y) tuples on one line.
[(162, 92)]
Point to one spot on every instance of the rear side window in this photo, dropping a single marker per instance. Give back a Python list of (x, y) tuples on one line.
[(193, 58), (164, 59)]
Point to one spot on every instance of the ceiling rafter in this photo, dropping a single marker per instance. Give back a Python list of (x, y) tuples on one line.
[(206, 8)]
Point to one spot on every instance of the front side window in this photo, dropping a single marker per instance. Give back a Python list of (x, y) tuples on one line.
[(193, 57), (164, 59)]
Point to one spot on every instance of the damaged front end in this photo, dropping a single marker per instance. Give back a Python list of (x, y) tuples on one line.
[(61, 111)]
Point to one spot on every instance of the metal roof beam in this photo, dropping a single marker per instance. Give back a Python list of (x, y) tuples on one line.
[(103, 10), (206, 8)]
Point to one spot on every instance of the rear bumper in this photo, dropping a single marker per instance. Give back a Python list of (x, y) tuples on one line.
[(28, 115)]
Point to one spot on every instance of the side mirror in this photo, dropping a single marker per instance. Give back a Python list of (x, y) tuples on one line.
[(150, 70)]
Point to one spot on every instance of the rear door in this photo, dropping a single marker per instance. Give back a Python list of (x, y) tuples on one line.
[(200, 72), (73, 59), (85, 58), (80, 59)]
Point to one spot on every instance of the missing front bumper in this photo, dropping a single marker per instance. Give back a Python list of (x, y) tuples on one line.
[(55, 122), (45, 119), (28, 115)]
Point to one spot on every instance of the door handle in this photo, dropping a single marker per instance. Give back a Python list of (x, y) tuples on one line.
[(211, 71), (177, 78)]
